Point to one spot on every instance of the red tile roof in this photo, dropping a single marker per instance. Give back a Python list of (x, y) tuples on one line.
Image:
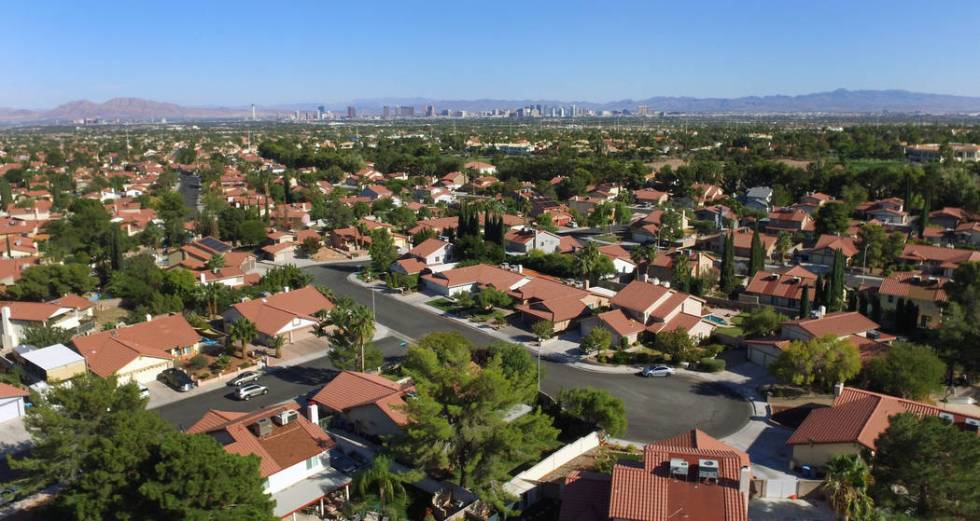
[(108, 351), (617, 321), (9, 391), (270, 314), (352, 389), (839, 324), (427, 247), (859, 416)]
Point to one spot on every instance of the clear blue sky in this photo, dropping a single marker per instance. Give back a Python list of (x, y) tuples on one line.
[(214, 52)]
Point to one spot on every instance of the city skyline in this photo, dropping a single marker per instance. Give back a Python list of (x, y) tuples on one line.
[(238, 54)]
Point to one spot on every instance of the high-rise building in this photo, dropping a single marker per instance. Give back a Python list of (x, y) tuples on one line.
[(430, 111), (386, 112), (253, 111), (406, 111), (351, 112)]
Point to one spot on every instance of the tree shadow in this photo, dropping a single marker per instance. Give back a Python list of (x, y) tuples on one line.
[(304, 375), (715, 389)]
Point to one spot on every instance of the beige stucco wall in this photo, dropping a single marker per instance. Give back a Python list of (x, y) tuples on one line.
[(66, 371)]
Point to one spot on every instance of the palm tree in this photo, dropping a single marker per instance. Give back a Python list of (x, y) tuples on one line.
[(243, 331), (389, 485), (846, 487), (355, 327), (276, 344), (643, 255), (216, 262), (586, 261)]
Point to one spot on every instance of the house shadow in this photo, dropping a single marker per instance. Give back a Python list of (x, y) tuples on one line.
[(304, 375), (715, 389)]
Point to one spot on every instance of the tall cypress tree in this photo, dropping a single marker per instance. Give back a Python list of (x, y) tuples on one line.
[(727, 279), (805, 303), (835, 299), (818, 294), (757, 257)]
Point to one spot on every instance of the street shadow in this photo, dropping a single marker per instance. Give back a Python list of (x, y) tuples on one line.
[(303, 375)]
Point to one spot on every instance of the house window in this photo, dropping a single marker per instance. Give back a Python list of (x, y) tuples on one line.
[(313, 463), (891, 299)]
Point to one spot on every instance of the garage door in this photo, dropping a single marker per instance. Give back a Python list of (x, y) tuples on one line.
[(144, 375), (759, 357), (9, 410)]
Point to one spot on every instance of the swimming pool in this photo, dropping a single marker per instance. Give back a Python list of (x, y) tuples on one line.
[(716, 320)]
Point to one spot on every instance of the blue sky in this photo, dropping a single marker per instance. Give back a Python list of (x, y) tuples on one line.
[(233, 53)]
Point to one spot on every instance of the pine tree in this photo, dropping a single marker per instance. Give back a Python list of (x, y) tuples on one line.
[(757, 260), (805, 303)]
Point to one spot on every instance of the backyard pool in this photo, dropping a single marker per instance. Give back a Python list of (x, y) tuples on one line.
[(714, 319)]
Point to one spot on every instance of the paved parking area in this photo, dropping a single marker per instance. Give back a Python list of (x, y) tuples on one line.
[(789, 509)]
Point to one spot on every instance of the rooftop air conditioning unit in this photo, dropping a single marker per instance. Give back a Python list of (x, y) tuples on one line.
[(945, 416), (678, 468), (262, 428), (708, 469), (285, 417), (874, 334)]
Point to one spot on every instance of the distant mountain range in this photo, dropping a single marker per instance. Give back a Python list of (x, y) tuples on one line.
[(838, 101)]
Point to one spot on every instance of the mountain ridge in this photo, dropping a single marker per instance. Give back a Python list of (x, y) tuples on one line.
[(836, 101)]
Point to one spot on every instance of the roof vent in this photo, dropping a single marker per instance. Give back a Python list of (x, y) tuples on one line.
[(678, 468), (262, 428), (708, 469), (285, 417)]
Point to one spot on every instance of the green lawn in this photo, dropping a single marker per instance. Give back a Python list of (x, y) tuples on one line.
[(735, 329), (443, 304)]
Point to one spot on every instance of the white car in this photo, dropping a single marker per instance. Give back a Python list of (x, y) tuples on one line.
[(658, 370), (247, 392)]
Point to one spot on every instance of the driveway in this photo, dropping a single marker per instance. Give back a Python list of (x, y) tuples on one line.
[(656, 408)]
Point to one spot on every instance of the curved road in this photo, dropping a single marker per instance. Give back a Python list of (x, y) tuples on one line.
[(657, 407)]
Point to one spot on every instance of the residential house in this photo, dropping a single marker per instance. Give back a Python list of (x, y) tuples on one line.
[(823, 252), (656, 308), (811, 202), (429, 253), (855, 327), (376, 192), (293, 452), (454, 180), (280, 253), (365, 403), (704, 193), (620, 257), (11, 269), (689, 476), (647, 228), (481, 167), (936, 260), (238, 269), (289, 314), (758, 198), (16, 317), (742, 240), (855, 421), (141, 351), (791, 220), (925, 291), (968, 233), (650, 197), (472, 278), (12, 402), (526, 240), (720, 215), (950, 218), (889, 212), (782, 291), (662, 266), (51, 364), (544, 299)]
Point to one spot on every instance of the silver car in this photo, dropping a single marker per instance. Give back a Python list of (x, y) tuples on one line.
[(658, 370), (247, 392)]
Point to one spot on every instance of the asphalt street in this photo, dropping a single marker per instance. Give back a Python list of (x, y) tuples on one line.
[(657, 407)]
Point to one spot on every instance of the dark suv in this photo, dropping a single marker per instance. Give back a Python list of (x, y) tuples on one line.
[(176, 379)]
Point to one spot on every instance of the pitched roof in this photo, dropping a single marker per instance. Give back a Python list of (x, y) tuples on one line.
[(586, 497), (639, 296), (914, 286), (844, 244), (482, 274), (108, 351), (270, 314), (427, 247), (839, 324), (618, 322), (783, 285), (32, 311), (352, 389), (284, 447), (9, 391), (859, 416)]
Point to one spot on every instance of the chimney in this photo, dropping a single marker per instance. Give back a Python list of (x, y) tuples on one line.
[(285, 289), (838, 389), (203, 278), (313, 413), (644, 277), (520, 268), (149, 317), (745, 482)]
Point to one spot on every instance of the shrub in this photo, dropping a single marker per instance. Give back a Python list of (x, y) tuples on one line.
[(197, 363), (711, 350), (711, 365), (220, 363)]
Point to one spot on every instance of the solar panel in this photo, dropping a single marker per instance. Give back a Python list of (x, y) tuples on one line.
[(215, 244)]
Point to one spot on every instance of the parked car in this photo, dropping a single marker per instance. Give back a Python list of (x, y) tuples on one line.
[(144, 390), (244, 378), (342, 462), (246, 393), (176, 379), (658, 370)]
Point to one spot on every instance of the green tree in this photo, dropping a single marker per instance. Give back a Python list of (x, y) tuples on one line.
[(784, 241), (680, 271), (543, 329), (50, 281), (458, 421), (835, 294), (907, 370), (596, 407), (819, 362), (727, 282), (488, 298), (43, 335), (642, 255), (833, 218), (215, 262), (285, 276), (310, 246), (762, 322), (243, 331), (805, 303), (677, 344), (353, 330), (276, 343), (597, 340), (174, 212), (757, 257), (847, 486), (382, 250), (380, 478), (587, 262), (928, 467)]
